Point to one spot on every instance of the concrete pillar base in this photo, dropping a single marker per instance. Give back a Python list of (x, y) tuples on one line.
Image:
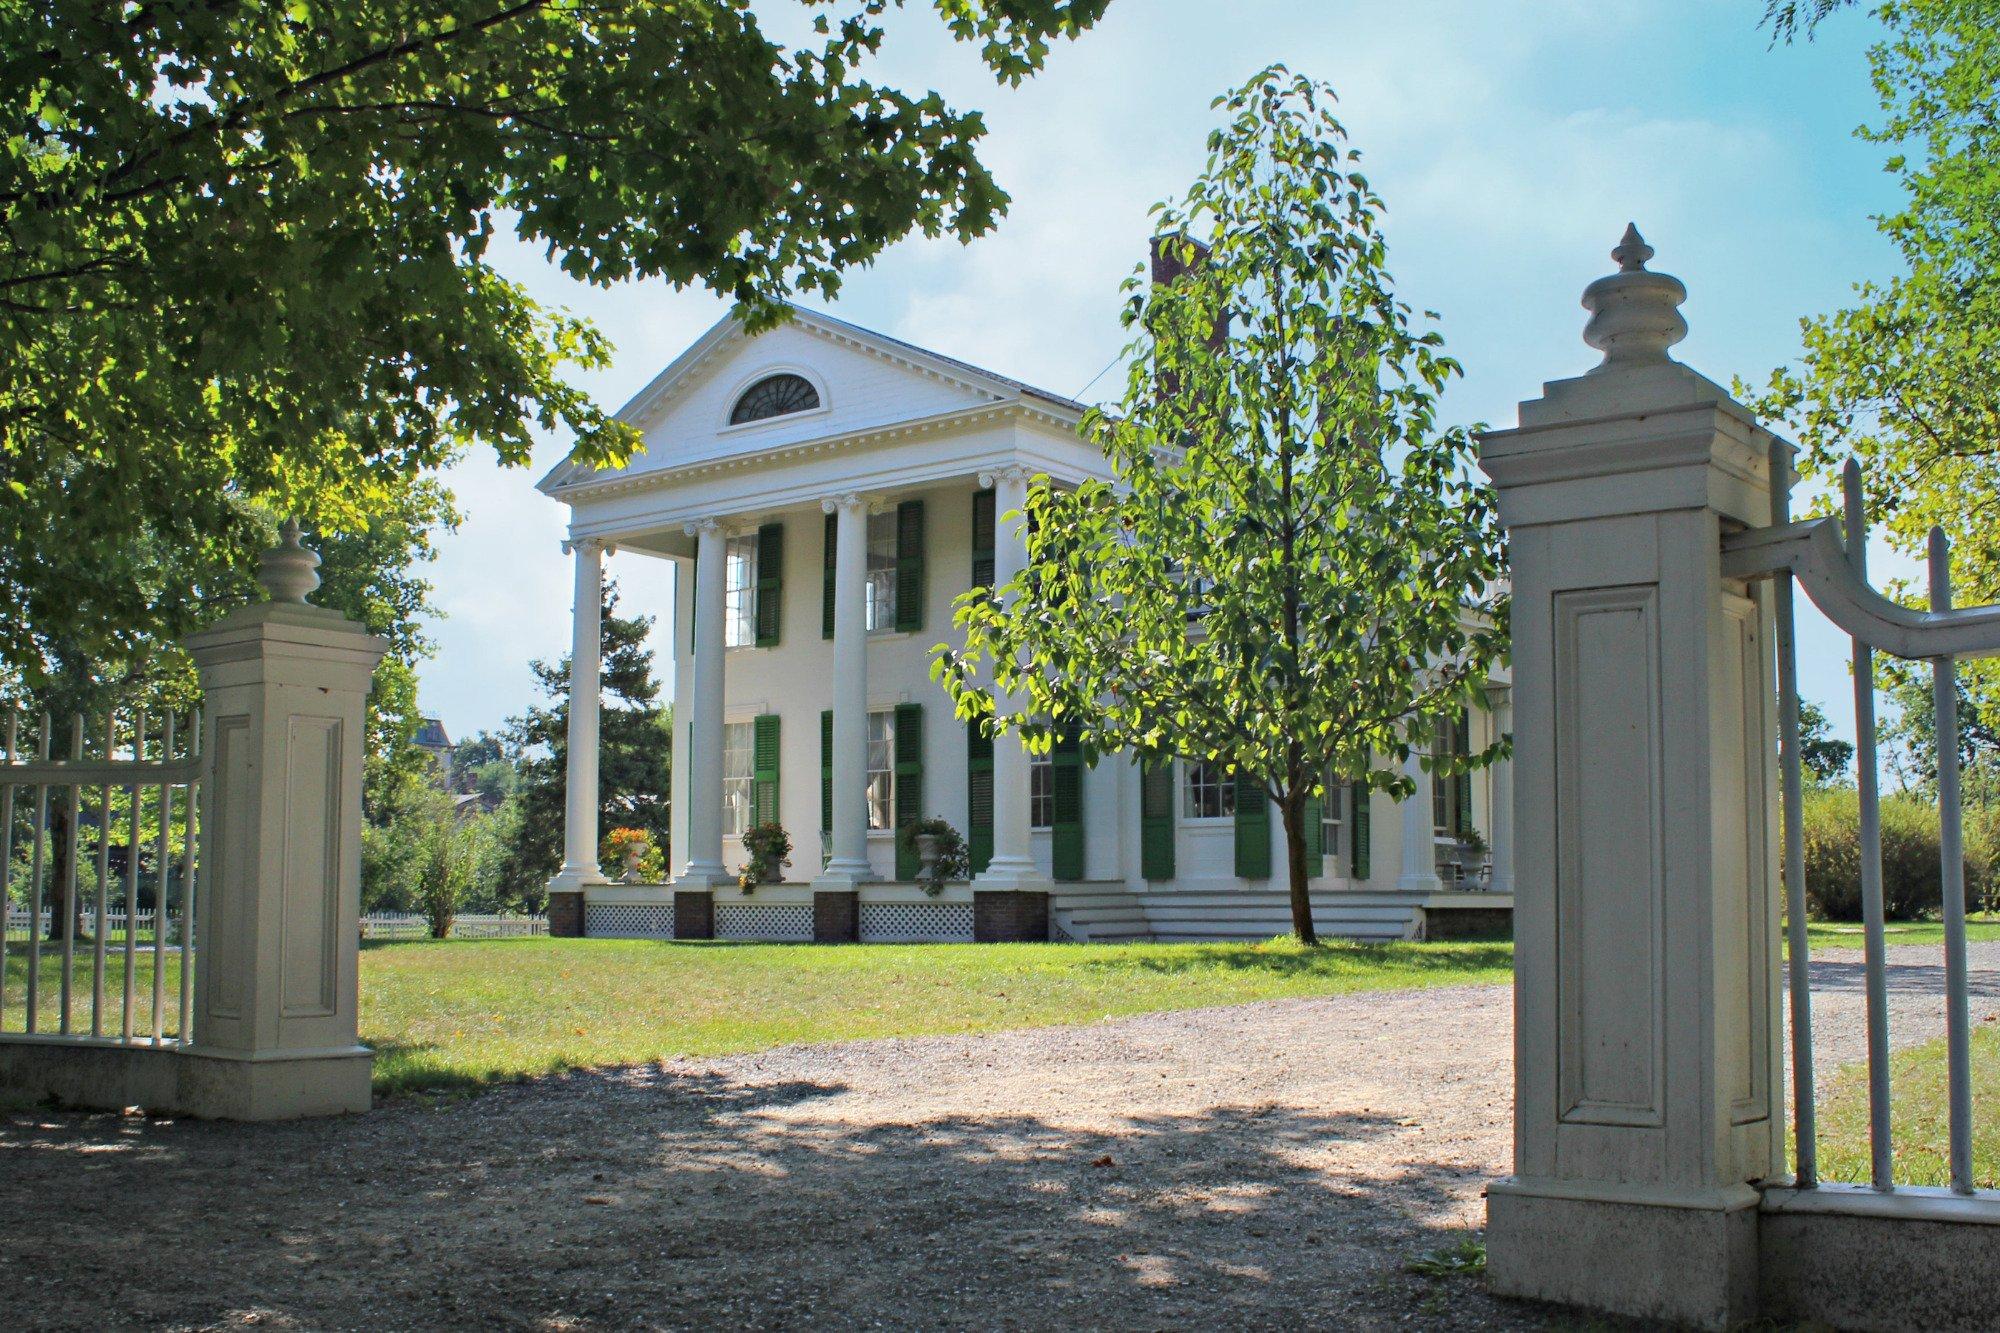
[(284, 1087), (1010, 916), (694, 914), (566, 913), (1687, 1259), (836, 916)]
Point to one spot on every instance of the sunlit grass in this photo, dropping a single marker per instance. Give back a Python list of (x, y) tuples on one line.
[(468, 1013), (1848, 934), (14, 989), (1919, 1116)]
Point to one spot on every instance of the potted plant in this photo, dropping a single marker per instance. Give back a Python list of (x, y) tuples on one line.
[(770, 849), (629, 846), (941, 852)]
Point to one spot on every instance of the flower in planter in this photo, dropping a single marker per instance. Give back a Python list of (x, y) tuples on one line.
[(941, 852)]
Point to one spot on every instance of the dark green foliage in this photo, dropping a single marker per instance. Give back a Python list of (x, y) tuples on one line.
[(1822, 755), (1911, 885), (634, 757), (246, 246)]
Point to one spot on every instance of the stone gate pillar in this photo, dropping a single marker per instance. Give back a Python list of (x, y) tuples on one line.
[(1647, 1038), (277, 903)]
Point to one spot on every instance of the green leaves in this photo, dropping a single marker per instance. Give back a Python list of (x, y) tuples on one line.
[(1295, 567), (244, 251)]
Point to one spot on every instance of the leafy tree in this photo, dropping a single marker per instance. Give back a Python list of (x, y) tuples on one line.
[(1293, 571), (1911, 732), (1823, 755), (634, 755), (245, 246), (1907, 378)]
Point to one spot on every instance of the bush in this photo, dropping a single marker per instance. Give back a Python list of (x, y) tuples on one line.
[(1911, 885)]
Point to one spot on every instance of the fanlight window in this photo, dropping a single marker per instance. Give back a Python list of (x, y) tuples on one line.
[(774, 396)]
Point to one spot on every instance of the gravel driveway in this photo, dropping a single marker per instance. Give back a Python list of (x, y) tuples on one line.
[(1271, 1165)]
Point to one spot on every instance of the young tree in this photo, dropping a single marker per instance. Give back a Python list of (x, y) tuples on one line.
[(634, 755), (1293, 574), (245, 252)]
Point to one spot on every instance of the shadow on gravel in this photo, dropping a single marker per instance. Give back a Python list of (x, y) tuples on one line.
[(660, 1198)]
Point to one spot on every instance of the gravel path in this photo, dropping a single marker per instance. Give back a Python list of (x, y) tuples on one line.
[(1270, 1166)]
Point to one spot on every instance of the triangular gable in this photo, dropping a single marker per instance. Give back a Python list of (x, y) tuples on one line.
[(867, 380)]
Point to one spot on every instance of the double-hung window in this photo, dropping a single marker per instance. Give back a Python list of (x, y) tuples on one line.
[(1042, 789), (882, 571), (882, 769), (739, 591), (1444, 788), (1332, 817), (1208, 792), (739, 778)]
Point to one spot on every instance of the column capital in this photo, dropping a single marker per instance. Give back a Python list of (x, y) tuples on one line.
[(701, 526), (844, 500), (1012, 472), (573, 545)]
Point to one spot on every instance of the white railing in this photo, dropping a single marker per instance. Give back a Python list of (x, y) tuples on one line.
[(1828, 557), (472, 926), (69, 798)]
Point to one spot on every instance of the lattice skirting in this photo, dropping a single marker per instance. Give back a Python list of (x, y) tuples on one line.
[(930, 923), (783, 922), (629, 921)]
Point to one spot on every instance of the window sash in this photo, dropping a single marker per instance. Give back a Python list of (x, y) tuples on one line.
[(739, 592), (1332, 818), (739, 777), (881, 572), (1208, 792), (1041, 790), (882, 769)]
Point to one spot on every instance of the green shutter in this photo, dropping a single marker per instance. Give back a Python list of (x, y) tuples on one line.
[(1359, 831), (1066, 833), (826, 775), (910, 566), (826, 568), (983, 527), (979, 795), (1156, 818), (1253, 829), (764, 770), (1461, 746), (1315, 812), (770, 583), (909, 784)]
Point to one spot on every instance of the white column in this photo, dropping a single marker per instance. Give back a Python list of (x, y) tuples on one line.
[(1419, 871), (848, 866), (585, 652), (1648, 1029), (1013, 863), (1500, 780), (703, 867), (276, 908)]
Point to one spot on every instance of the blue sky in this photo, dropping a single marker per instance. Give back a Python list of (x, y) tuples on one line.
[(1511, 141)]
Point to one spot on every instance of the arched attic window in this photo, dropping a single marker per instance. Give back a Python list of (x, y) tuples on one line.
[(774, 396)]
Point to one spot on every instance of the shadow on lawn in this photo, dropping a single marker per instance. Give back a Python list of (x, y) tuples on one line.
[(678, 1198)]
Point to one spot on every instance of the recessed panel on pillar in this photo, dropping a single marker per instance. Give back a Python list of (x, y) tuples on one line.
[(1609, 880), (229, 949), (312, 866)]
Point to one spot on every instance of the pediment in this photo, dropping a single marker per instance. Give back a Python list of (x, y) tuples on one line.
[(864, 382)]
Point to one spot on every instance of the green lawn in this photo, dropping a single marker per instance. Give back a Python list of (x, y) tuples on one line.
[(1848, 934), (461, 1014), (1920, 1123), (13, 1014)]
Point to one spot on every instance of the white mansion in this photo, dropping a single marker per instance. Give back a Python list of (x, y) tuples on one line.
[(821, 494)]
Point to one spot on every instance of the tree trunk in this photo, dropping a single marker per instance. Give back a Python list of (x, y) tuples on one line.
[(1293, 814), (61, 906)]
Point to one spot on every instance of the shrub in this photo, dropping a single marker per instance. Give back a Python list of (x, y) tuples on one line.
[(1911, 885)]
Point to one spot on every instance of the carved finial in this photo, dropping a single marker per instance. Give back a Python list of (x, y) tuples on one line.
[(288, 570), (1632, 252), (1634, 313)]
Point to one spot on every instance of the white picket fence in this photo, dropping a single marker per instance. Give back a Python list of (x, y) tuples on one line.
[(20, 921), (412, 926)]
